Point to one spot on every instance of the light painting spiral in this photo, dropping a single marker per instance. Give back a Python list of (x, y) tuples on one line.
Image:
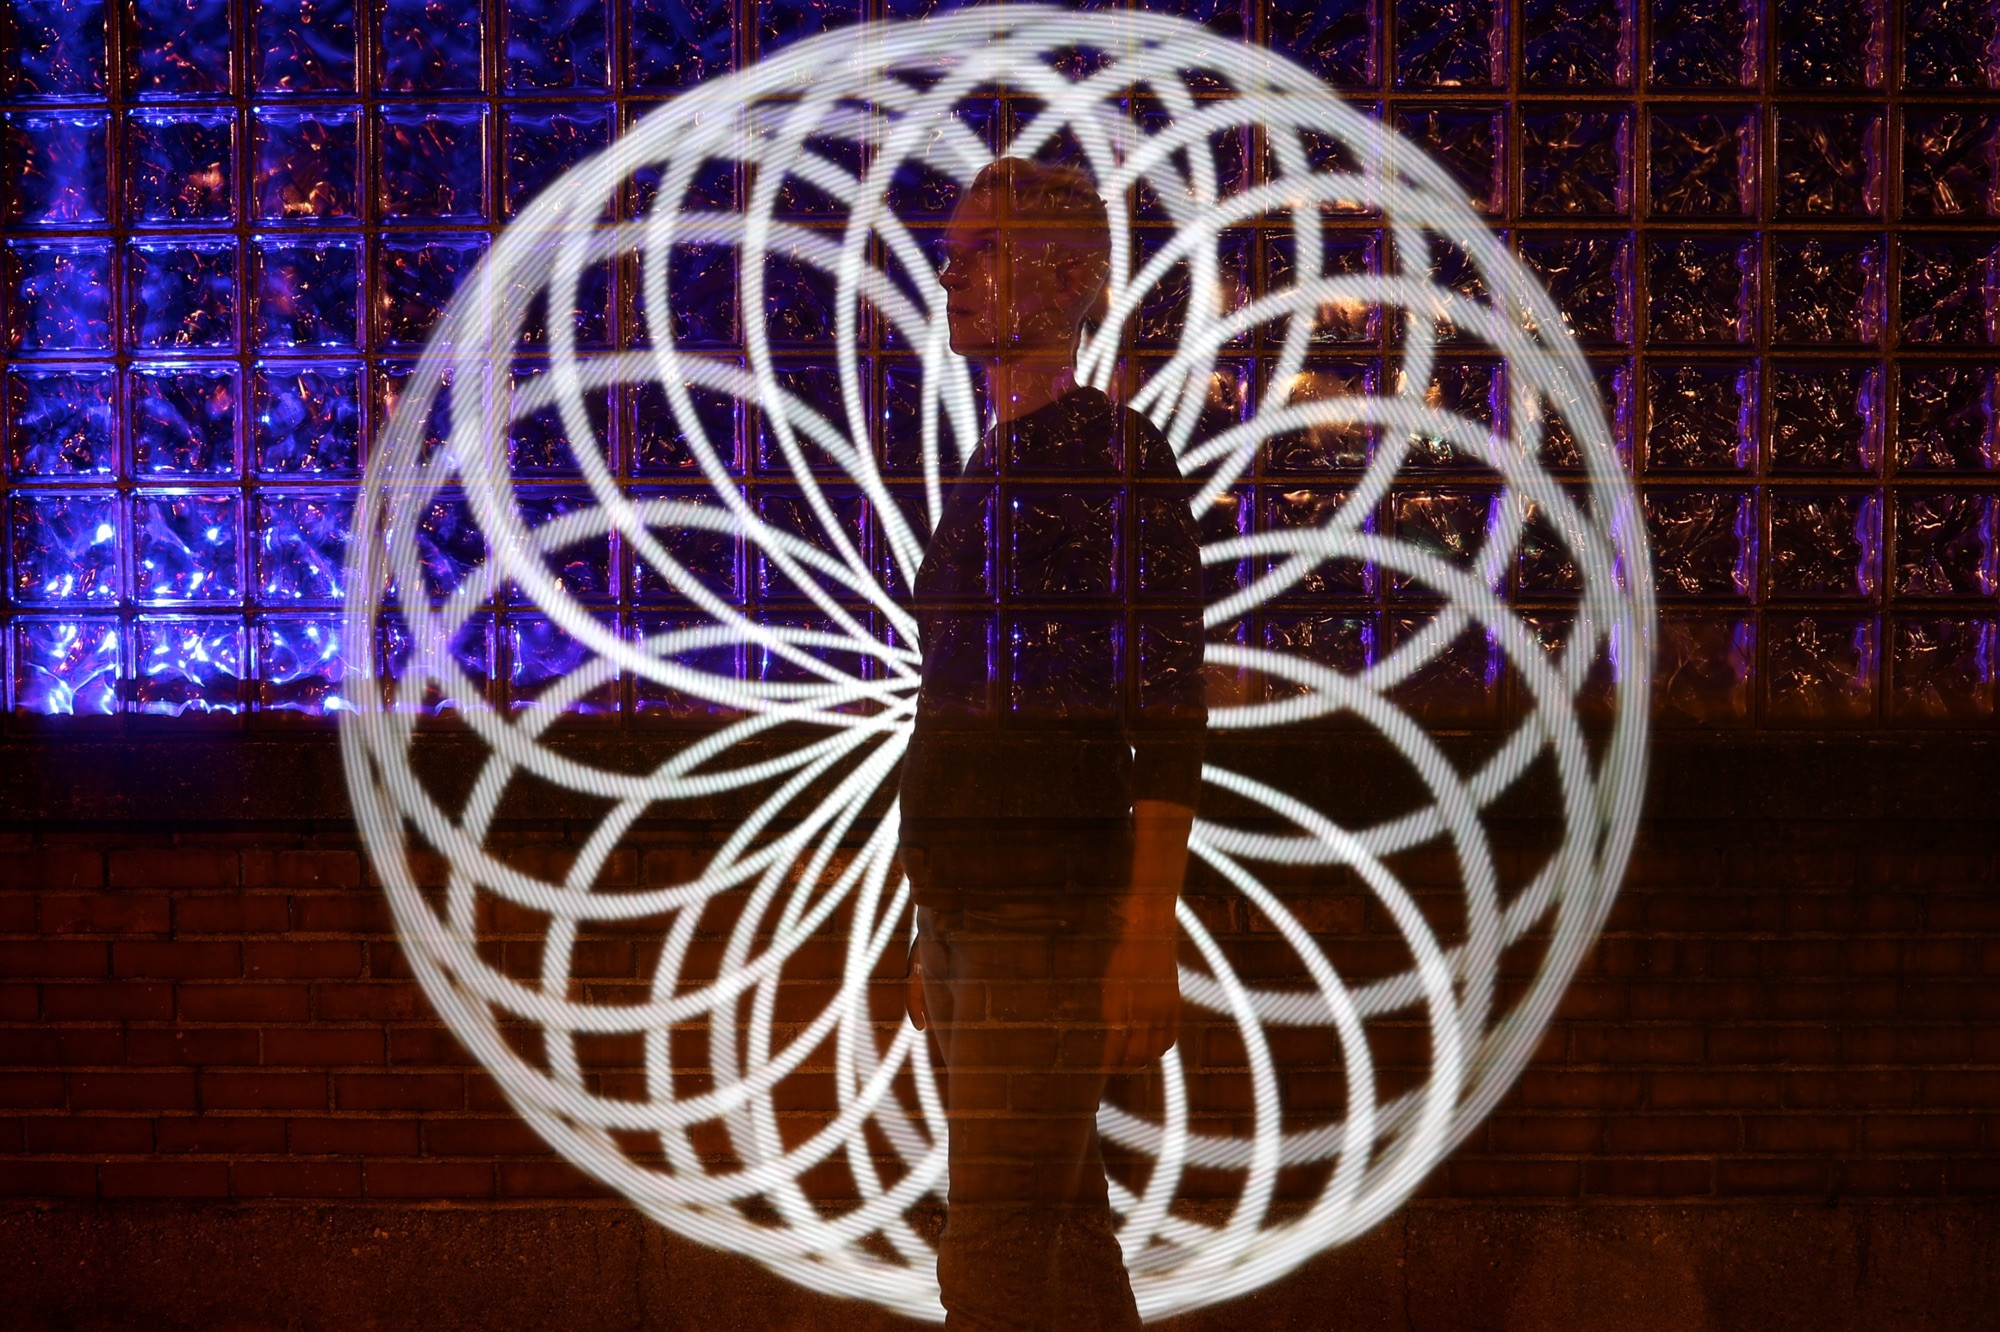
[(819, 704)]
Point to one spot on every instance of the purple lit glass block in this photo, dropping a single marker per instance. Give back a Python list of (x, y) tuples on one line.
[(433, 162), (1829, 43), (540, 654), (1705, 43), (1949, 291), (585, 310), (539, 444), (1342, 254), (66, 668), (1065, 666), (1573, 163), (815, 387), (470, 655), (180, 166), (1450, 44), (60, 421), (1331, 445), (1545, 565), (1704, 541), (555, 44), (181, 294), (901, 431), (1705, 667), (65, 549), (799, 299), (1700, 417), (1064, 543), (308, 291), (782, 22), (429, 46), (1576, 43), (1820, 668), (1826, 289), (1288, 510), (187, 665), (1471, 390), (54, 169), (1704, 288), (583, 566), (184, 420), (1951, 162), (306, 419), (1825, 418), (676, 44), (1589, 278), (1613, 383), (1945, 418), (802, 659), (415, 279), (790, 512), (178, 48), (1345, 643), (1942, 669), (304, 46), (1703, 163), (56, 49), (301, 543), (1825, 544), (1829, 163), (541, 145), (58, 296), (724, 662), (661, 444), (1468, 142), (300, 664), (1951, 44), (450, 545), (1335, 39), (184, 546), (702, 279), (306, 164), (1448, 524), (1461, 684), (713, 558), (1946, 544)]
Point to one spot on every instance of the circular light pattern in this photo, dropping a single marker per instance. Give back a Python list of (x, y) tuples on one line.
[(833, 133)]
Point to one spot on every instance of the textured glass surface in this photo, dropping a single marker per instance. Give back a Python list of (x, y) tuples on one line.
[(676, 44), (54, 169), (1942, 669), (59, 296), (1945, 544), (1450, 43), (1826, 289), (1951, 44), (1704, 288), (63, 549), (308, 165), (300, 664), (1704, 541), (429, 46), (540, 145), (1826, 418), (433, 162), (306, 420), (1576, 43), (1945, 418), (184, 420), (183, 664), (540, 654), (56, 49), (1820, 668), (67, 668), (1825, 544), (1575, 163), (180, 166), (62, 421), (554, 45), (308, 291), (1951, 162), (1948, 289), (1700, 417), (415, 277), (179, 48), (185, 546), (180, 295), (301, 544), (1703, 163), (1829, 43), (304, 46)]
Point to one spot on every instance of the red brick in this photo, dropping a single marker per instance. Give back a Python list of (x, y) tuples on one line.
[(399, 1091), (1874, 1044), (1711, 1090), (20, 1003), (1577, 1089), (1671, 1134), (1921, 1133), (136, 1001), (1596, 1043), (251, 1001), (483, 1093), (220, 1135), (426, 1045), (1891, 1178), (164, 1179), (174, 869), (54, 958), (12, 1139), (353, 1137), (28, 1047), (48, 1179), (1773, 1045), (178, 958), (1500, 1178), (32, 1091), (386, 962), (301, 869), (1978, 1177), (363, 912), (1547, 1135), (17, 913), (88, 1135), (263, 1091), (323, 1047), (1823, 1134), (232, 913), (1740, 1177), (372, 1001), (290, 958), (481, 1137), (1974, 1088), (52, 867), (547, 1179), (296, 1179), (1850, 1088), (1649, 1178), (192, 1045), (429, 1179), (105, 913), (163, 1090)]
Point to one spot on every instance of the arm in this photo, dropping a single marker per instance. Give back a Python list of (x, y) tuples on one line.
[(1142, 996)]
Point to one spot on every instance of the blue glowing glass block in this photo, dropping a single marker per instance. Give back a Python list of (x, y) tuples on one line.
[(1705, 43), (663, 445), (180, 166), (799, 299), (433, 162), (790, 512), (1576, 43), (541, 656), (1064, 543), (539, 443), (1335, 39), (304, 46), (64, 549), (469, 667), (686, 641), (185, 546), (449, 543), (1704, 163), (59, 296), (429, 46), (541, 145), (184, 420), (1450, 44), (713, 558), (581, 566), (55, 172), (809, 389), (1576, 163), (415, 279), (1470, 143), (181, 294), (66, 668), (306, 164), (306, 419), (56, 49), (555, 44), (300, 664), (587, 313), (178, 48), (301, 546), (1951, 44), (60, 421), (182, 664), (1064, 666), (676, 44), (308, 291), (702, 281), (782, 22)]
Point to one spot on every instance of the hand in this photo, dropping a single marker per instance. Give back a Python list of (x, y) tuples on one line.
[(913, 997), (1142, 1001)]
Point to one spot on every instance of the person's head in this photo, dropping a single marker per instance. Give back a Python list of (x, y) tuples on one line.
[(1027, 255)]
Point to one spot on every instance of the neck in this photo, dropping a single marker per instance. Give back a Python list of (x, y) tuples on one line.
[(1025, 385)]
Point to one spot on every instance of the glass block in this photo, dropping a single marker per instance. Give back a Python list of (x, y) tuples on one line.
[(702, 279), (662, 445), (1705, 667), (799, 299), (676, 638), (1700, 417), (469, 665), (1829, 43), (813, 386), (433, 162), (1950, 44), (1946, 544), (390, 380), (304, 46), (1064, 543), (1829, 163), (1590, 279), (1819, 668), (178, 48), (789, 511), (184, 420), (1472, 390), (61, 421), (1288, 509), (1945, 418), (583, 568), (540, 654), (415, 279), (1574, 163), (676, 44), (66, 668), (1942, 669), (1469, 142), (181, 294), (1951, 162), (1335, 39), (1545, 564), (1459, 685), (1826, 289), (306, 419), (180, 166), (1704, 288), (187, 665), (300, 664), (1576, 43), (1345, 643), (1949, 291), (449, 543), (900, 436), (782, 22), (1450, 44), (1449, 524), (1703, 163), (1614, 384), (55, 170), (540, 443), (554, 45), (585, 310), (1825, 544), (308, 291), (59, 296), (713, 558), (1163, 311), (185, 546), (429, 46), (1704, 43), (1065, 666), (301, 547), (56, 49), (306, 164), (1342, 253), (1825, 418), (541, 145), (1704, 541), (64, 549), (1328, 446)]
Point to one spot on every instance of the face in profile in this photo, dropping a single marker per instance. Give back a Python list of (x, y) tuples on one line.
[(1025, 255)]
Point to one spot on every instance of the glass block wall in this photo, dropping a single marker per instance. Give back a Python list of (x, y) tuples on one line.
[(230, 223)]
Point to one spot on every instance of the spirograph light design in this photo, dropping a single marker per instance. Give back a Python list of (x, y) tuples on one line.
[(809, 861)]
